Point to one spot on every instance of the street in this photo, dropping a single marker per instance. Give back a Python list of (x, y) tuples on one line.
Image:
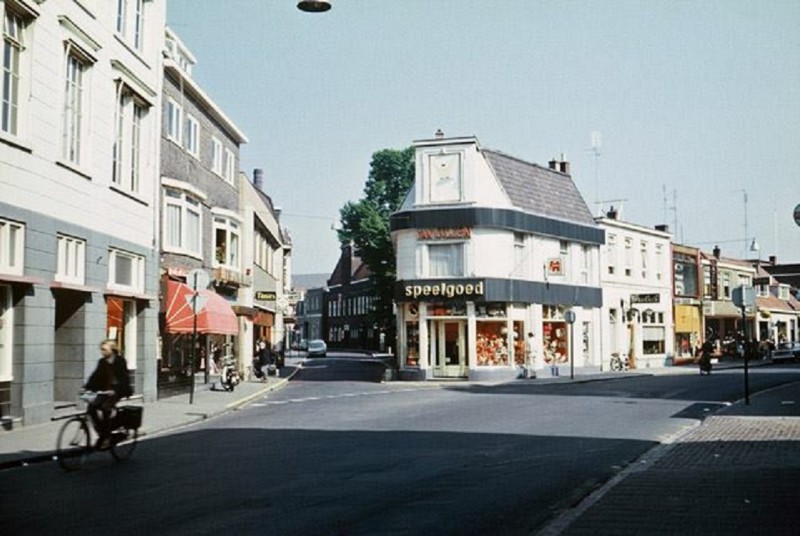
[(338, 453)]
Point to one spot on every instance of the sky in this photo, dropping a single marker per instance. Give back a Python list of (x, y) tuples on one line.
[(697, 103)]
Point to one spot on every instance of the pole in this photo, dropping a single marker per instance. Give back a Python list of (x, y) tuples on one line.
[(194, 339), (571, 351), (744, 347)]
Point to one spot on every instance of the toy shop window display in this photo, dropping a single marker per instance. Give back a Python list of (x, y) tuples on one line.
[(492, 341), (555, 340)]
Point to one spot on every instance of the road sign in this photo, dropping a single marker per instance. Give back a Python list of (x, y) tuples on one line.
[(569, 316), (201, 301), (198, 279), (797, 214), (743, 296)]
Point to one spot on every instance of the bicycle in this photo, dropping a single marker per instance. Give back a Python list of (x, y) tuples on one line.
[(75, 440), (619, 364)]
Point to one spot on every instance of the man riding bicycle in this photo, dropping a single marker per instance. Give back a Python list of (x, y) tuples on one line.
[(111, 382)]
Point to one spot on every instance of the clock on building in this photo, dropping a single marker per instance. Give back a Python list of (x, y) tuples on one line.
[(445, 178)]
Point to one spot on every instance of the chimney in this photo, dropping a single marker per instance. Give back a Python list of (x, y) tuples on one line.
[(258, 179), (553, 164), (773, 260), (563, 166), (439, 134), (663, 228), (717, 252), (612, 213)]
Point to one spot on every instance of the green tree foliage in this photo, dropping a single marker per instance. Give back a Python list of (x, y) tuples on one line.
[(365, 223)]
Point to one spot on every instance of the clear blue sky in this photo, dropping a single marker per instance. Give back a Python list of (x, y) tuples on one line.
[(700, 97)]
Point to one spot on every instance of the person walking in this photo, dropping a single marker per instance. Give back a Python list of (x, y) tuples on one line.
[(530, 355), (705, 357), (111, 382), (263, 360)]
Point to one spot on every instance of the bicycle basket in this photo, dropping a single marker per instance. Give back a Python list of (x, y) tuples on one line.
[(130, 416)]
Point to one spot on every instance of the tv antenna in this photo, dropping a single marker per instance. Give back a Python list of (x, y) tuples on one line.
[(596, 142)]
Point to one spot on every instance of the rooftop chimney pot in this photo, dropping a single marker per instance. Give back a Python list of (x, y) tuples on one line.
[(717, 252), (439, 134), (258, 178)]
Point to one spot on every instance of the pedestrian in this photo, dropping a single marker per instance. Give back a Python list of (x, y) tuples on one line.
[(264, 359), (110, 381), (705, 357), (530, 355)]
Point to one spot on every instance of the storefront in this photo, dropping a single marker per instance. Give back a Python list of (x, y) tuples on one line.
[(485, 339), (688, 329)]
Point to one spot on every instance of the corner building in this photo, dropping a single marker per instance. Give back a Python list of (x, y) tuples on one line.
[(489, 248)]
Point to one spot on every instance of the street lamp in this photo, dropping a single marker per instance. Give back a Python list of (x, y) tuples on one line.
[(314, 6)]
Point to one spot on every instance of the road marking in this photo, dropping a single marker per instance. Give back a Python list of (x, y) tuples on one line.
[(334, 397)]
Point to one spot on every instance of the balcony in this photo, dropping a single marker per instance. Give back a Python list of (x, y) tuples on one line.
[(232, 278)]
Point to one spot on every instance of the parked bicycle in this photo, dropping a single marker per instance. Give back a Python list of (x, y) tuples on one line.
[(75, 438), (618, 364)]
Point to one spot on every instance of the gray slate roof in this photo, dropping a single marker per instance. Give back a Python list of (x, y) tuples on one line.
[(538, 190), (309, 281)]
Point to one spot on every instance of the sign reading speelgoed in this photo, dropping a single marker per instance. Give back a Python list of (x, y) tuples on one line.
[(444, 233), (645, 298), (452, 289), (266, 295)]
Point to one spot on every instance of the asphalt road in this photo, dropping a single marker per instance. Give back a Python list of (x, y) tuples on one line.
[(336, 453)]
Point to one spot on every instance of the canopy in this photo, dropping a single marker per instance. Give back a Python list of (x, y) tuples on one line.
[(214, 315)]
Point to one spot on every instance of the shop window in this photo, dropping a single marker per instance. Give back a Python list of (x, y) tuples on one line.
[(492, 343), (447, 310), (71, 260), (126, 270), (518, 340), (12, 247), (555, 344), (653, 340), (412, 344), (122, 327)]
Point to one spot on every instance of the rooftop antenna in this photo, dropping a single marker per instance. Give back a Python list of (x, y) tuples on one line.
[(596, 142), (746, 234)]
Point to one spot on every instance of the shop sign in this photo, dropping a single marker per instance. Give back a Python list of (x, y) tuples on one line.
[(555, 266), (444, 290), (266, 295), (645, 298), (459, 233)]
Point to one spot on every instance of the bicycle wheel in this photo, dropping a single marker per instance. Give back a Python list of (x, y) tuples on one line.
[(73, 444), (122, 448)]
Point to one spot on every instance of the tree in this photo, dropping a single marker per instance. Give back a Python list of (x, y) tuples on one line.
[(365, 223)]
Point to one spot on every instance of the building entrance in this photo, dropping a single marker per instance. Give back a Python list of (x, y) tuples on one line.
[(448, 348)]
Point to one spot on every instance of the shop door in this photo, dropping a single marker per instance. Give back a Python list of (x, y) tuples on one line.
[(449, 349)]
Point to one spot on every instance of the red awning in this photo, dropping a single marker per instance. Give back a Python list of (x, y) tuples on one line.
[(214, 316)]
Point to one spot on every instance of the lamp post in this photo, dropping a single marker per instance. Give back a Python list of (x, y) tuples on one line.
[(569, 316), (199, 279)]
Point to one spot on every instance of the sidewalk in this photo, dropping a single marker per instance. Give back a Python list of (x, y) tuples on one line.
[(37, 443), (736, 473)]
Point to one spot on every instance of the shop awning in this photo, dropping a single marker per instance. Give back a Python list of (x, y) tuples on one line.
[(215, 315)]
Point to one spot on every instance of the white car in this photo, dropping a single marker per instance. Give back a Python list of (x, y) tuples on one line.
[(786, 351), (317, 348)]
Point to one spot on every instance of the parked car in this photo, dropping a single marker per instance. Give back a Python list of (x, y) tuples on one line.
[(786, 351), (317, 348)]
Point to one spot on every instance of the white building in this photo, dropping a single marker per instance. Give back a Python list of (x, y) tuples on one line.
[(79, 157), (636, 274), (489, 248)]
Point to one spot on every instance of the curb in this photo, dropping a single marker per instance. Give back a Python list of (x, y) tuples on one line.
[(194, 418)]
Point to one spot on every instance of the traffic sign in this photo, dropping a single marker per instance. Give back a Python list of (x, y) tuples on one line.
[(797, 214), (569, 316)]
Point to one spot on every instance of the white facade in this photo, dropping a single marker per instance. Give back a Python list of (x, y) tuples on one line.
[(470, 291), (636, 274), (79, 155)]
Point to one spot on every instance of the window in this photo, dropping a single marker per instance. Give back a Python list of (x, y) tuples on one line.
[(783, 292), (628, 256), (644, 253), (174, 113), (446, 260), (653, 340), (126, 270), (726, 284), (73, 110), (129, 22), (226, 242), (744, 280), (122, 12), (707, 286), (127, 149), (216, 156), (612, 254), (230, 166), (191, 136), (13, 45), (763, 290), (182, 223), (138, 24), (586, 264), (659, 261), (71, 260), (12, 243), (563, 250), (519, 255)]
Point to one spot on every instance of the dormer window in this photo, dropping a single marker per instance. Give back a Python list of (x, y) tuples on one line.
[(783, 292)]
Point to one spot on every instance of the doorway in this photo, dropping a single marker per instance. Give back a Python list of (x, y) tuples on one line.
[(448, 348)]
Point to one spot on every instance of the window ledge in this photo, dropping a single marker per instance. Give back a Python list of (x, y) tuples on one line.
[(136, 53), (16, 142), (73, 168), (24, 279), (73, 286), (128, 293), (128, 194)]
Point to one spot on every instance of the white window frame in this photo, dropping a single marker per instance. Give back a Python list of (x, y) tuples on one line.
[(586, 263), (231, 227), (230, 166), (137, 270), (216, 156), (644, 252), (191, 137), (612, 253), (520, 255), (186, 204), (74, 105), (427, 265), (14, 42), (7, 333), (9, 251), (130, 113), (129, 20), (628, 256), (174, 120), (121, 19), (71, 260), (138, 24)]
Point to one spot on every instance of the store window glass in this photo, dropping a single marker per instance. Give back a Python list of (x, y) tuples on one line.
[(412, 344), (653, 340), (492, 343), (556, 348), (519, 343)]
